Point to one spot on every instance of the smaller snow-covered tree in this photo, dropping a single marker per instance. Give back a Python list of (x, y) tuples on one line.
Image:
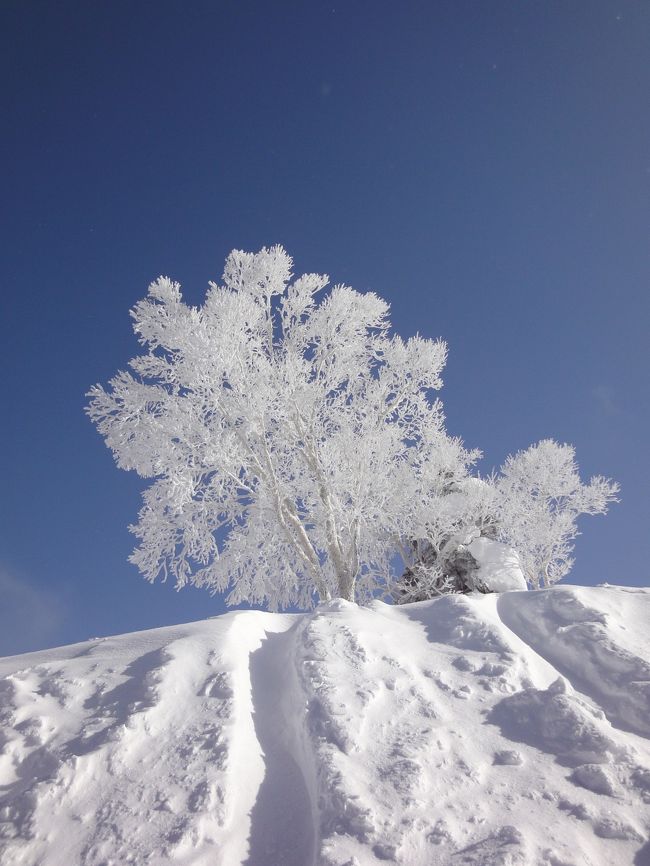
[(539, 498), (531, 506)]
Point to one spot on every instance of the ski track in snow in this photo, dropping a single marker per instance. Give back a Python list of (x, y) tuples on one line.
[(485, 730), (282, 821)]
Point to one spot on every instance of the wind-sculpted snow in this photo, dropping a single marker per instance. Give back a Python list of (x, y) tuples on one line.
[(600, 639), (478, 730)]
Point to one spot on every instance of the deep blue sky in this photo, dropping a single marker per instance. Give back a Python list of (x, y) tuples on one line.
[(485, 166)]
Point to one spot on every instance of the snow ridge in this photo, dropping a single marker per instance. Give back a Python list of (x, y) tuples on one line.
[(499, 729)]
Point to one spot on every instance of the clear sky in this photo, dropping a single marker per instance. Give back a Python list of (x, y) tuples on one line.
[(484, 166)]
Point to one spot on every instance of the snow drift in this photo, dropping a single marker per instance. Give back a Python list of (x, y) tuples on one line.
[(508, 729)]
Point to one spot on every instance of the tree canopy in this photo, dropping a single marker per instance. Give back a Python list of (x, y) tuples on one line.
[(297, 448)]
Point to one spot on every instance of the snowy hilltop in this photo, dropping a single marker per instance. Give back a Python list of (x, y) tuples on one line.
[(471, 729)]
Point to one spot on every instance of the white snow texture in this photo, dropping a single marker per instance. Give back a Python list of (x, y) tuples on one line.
[(482, 729), (499, 566)]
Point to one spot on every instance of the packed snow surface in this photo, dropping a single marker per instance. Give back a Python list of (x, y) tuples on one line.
[(496, 729)]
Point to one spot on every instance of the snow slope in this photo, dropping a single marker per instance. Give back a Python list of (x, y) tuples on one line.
[(499, 729)]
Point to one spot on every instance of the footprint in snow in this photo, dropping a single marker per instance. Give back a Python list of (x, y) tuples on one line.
[(217, 686), (462, 663), (403, 775), (609, 827), (508, 757), (440, 834), (593, 777), (463, 693), (506, 845), (577, 810)]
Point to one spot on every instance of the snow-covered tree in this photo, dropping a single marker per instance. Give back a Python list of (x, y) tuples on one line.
[(539, 498), (295, 443), (522, 519)]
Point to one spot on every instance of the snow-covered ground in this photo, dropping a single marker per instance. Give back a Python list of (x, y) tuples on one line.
[(498, 729)]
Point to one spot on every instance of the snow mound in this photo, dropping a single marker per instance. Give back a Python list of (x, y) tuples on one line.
[(499, 568), (483, 729)]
